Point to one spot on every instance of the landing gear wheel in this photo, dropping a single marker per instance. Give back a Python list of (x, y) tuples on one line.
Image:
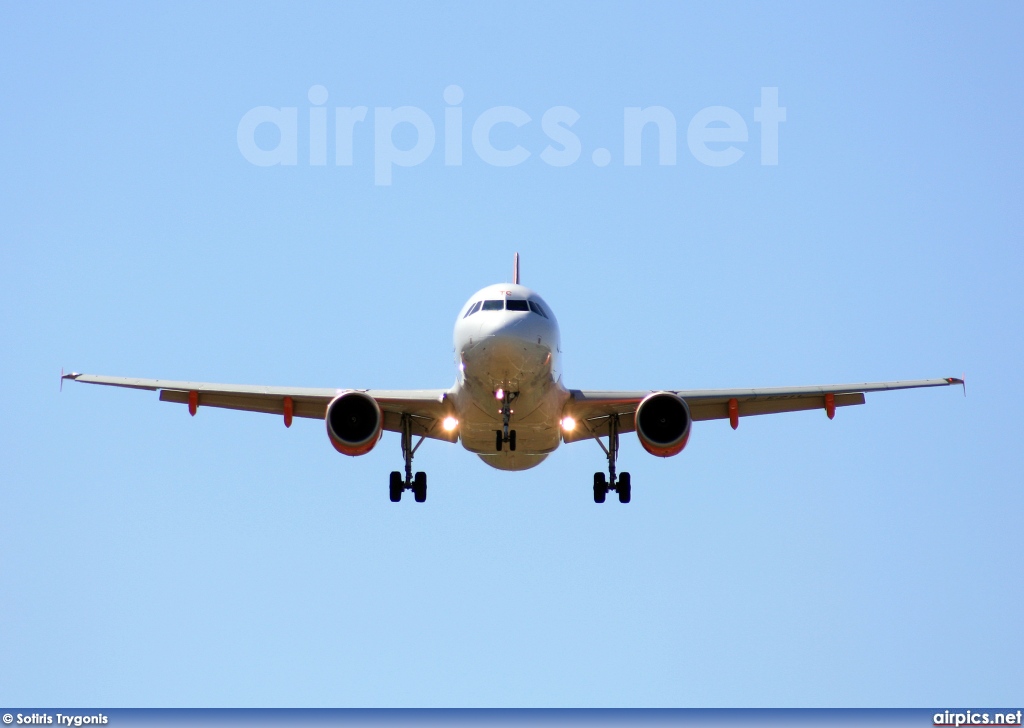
[(497, 440), (600, 487), (624, 488), (512, 440), (396, 486), (419, 487)]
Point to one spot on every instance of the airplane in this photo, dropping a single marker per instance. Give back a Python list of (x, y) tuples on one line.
[(508, 404)]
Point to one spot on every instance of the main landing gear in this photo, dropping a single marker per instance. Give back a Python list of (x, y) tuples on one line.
[(418, 483), (619, 483), (504, 434)]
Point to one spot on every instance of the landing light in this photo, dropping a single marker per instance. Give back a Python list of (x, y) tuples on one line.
[(500, 394), (450, 423), (568, 424)]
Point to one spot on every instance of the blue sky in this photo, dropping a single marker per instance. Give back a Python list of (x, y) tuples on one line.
[(151, 559)]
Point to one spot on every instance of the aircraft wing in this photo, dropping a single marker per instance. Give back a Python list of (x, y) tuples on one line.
[(426, 407), (593, 409)]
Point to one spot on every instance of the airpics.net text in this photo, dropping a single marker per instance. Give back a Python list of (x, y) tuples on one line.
[(712, 134)]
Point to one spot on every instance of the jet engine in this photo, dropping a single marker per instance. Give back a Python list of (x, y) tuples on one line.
[(354, 423), (663, 424)]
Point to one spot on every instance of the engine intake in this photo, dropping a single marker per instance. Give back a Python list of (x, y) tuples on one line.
[(354, 423), (663, 424)]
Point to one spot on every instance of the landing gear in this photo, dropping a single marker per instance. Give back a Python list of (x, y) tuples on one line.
[(417, 484), (621, 483), (500, 439), (504, 434)]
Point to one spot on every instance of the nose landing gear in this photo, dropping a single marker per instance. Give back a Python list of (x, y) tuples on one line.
[(504, 434), (620, 483), (418, 483)]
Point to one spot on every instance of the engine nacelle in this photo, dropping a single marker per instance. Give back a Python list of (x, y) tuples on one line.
[(663, 424), (354, 423)]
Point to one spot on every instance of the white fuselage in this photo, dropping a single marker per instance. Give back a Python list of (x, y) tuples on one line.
[(515, 351)]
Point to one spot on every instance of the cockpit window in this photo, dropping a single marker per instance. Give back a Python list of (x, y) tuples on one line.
[(493, 305), (473, 309), (513, 304), (535, 307)]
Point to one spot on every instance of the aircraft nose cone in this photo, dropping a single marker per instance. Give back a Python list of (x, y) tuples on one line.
[(507, 327), (515, 328)]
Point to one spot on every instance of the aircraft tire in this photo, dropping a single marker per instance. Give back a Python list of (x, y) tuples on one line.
[(497, 441), (419, 487), (512, 440), (600, 487), (625, 488), (396, 486)]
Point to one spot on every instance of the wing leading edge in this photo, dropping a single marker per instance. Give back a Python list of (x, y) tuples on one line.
[(594, 408), (426, 408)]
